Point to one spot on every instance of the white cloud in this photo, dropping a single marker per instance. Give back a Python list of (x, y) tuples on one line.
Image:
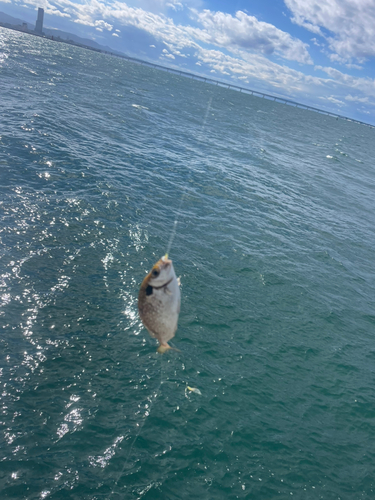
[(175, 5), (259, 69), (52, 9), (334, 100), (55, 12), (247, 33), (353, 66), (349, 24), (336, 58), (178, 53), (102, 25), (115, 34), (356, 99), (165, 53), (337, 75), (365, 85)]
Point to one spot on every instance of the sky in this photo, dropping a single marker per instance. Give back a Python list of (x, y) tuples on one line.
[(317, 52)]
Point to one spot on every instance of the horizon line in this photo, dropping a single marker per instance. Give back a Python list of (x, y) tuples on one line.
[(204, 79)]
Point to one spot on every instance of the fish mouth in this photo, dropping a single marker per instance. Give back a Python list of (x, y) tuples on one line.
[(165, 260)]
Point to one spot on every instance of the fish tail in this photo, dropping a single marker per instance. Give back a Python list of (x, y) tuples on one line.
[(165, 347)]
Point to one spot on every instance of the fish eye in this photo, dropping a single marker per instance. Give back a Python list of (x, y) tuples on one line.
[(155, 273)]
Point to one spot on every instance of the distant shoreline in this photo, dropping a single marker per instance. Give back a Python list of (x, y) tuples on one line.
[(203, 79), (21, 29)]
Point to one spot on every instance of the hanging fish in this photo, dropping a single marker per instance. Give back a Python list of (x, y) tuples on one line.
[(159, 302)]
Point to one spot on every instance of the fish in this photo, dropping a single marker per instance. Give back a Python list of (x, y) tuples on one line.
[(159, 302)]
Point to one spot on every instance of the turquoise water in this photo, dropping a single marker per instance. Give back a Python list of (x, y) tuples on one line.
[(275, 249)]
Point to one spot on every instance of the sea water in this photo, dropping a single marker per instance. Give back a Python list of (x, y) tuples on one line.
[(275, 247)]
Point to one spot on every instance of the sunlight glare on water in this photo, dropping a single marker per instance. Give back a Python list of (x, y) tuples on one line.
[(275, 249)]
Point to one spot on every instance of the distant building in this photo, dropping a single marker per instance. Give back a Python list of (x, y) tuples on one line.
[(39, 22), (24, 26)]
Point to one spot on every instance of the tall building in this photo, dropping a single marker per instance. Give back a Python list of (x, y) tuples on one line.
[(39, 21)]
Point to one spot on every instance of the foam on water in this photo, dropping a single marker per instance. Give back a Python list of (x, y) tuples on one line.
[(275, 249)]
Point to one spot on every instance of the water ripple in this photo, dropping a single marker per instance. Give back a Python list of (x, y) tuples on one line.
[(275, 249)]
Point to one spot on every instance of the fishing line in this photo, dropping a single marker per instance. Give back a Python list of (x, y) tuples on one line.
[(158, 390), (146, 415), (184, 192)]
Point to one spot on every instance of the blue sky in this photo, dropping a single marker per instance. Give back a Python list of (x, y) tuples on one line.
[(318, 52)]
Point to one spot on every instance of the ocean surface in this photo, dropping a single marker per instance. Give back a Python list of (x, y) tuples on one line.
[(275, 247)]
